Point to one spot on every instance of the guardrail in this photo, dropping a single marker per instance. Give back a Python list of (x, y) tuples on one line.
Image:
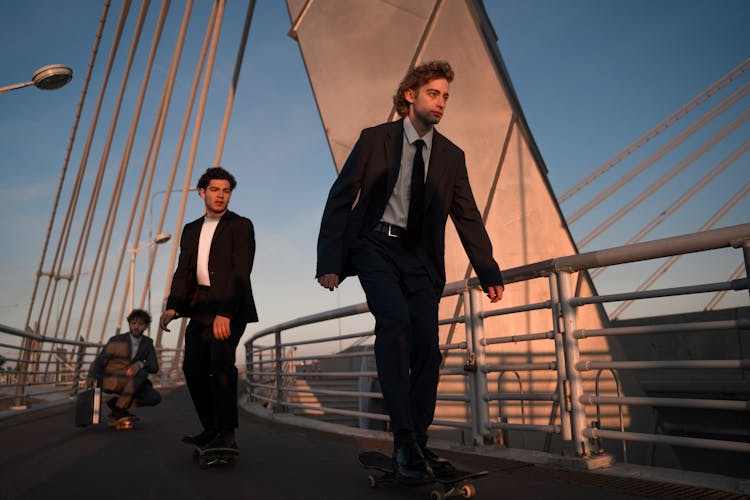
[(36, 368), (278, 376)]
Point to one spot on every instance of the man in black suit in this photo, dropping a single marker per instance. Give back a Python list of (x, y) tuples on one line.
[(384, 221), (211, 285), (123, 365)]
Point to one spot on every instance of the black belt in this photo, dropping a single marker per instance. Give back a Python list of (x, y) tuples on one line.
[(390, 230)]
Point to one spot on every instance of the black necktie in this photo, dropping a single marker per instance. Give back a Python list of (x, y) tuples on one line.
[(416, 205)]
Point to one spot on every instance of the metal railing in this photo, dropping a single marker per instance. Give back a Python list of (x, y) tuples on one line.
[(38, 369), (277, 375)]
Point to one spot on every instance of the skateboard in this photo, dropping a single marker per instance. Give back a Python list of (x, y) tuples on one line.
[(124, 423), (455, 485), (215, 456)]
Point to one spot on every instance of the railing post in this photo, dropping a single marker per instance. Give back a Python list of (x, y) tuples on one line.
[(476, 366), (572, 355), (562, 372), (79, 365), (746, 256), (22, 367), (250, 370), (278, 406)]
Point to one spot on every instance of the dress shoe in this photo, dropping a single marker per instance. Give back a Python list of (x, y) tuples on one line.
[(410, 466), (200, 439), (118, 413), (223, 439), (440, 466)]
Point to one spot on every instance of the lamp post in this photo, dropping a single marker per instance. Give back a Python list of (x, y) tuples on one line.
[(49, 77), (158, 240), (151, 205), (151, 221)]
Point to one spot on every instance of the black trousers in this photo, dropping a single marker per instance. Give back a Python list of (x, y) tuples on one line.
[(137, 388), (404, 301), (209, 368)]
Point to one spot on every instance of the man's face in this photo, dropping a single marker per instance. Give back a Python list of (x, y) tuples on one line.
[(216, 197), (137, 326), (428, 103)]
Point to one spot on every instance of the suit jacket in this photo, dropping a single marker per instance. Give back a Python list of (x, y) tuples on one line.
[(361, 191), (115, 357), (229, 264)]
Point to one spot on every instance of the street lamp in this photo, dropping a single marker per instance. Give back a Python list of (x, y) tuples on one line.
[(151, 206), (158, 240), (49, 77)]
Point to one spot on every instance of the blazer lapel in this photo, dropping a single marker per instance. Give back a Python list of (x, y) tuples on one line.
[(394, 142), (223, 222)]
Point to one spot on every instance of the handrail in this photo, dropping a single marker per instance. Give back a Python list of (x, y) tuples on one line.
[(63, 375), (730, 236), (305, 384), (41, 338)]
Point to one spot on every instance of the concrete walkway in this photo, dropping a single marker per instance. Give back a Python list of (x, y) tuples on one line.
[(43, 456)]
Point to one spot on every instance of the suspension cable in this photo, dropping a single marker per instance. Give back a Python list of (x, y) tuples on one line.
[(66, 231), (74, 131), (654, 157), (235, 79), (94, 199), (720, 214), (106, 236), (666, 177), (661, 127)]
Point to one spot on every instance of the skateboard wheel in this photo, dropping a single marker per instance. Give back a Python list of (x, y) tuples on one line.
[(468, 490), (372, 481), (437, 494)]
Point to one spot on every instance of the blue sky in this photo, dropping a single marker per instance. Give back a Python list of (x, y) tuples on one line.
[(591, 76)]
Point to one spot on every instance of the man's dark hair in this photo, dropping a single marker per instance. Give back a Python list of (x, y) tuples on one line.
[(139, 314), (417, 77), (216, 173)]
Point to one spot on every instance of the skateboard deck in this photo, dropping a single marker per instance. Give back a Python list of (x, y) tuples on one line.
[(455, 485), (124, 423), (215, 456)]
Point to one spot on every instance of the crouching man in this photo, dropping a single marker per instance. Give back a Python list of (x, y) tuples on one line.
[(123, 365)]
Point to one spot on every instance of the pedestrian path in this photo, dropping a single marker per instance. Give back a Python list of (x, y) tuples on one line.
[(44, 456)]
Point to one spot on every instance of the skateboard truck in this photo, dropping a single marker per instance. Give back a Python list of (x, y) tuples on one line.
[(215, 456), (457, 485)]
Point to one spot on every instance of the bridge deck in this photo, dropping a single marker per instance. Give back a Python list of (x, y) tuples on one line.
[(44, 456)]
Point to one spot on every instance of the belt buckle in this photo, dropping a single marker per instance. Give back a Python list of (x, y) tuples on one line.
[(392, 235)]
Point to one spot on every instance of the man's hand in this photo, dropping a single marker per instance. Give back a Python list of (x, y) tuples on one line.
[(166, 317), (221, 328), (133, 368), (90, 382), (329, 281), (495, 293)]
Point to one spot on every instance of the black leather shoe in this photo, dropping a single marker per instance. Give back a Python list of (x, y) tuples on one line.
[(222, 439), (440, 466), (201, 438), (410, 466)]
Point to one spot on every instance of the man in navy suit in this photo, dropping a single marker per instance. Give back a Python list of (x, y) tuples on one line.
[(384, 221), (211, 285)]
